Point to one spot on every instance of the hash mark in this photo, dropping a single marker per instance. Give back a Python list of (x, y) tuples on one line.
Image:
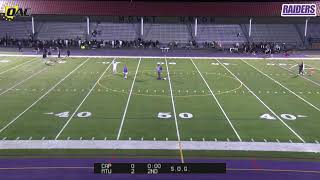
[(4, 138), (105, 138), (317, 141), (290, 141), (277, 140), (265, 140), (43, 138), (18, 138)]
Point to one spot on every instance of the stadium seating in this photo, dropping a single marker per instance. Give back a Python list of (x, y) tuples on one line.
[(166, 33), (275, 33), (63, 30), (224, 33), (19, 29), (116, 31)]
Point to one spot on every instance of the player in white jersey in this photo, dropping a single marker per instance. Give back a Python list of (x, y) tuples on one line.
[(114, 67)]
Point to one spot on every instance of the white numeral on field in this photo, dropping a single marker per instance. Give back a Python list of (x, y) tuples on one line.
[(67, 114), (167, 115), (267, 116), (289, 117), (185, 115), (84, 114), (63, 114), (164, 115)]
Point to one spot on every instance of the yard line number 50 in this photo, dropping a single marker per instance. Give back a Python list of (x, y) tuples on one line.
[(167, 115)]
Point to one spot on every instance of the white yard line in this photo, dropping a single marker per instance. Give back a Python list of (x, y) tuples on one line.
[(172, 101), (215, 98), (12, 121), (128, 101), (23, 81), (160, 145), (15, 67), (83, 100), (174, 113), (296, 134), (282, 86)]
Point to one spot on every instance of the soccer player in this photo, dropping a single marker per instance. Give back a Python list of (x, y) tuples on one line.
[(125, 72), (301, 68), (114, 67), (159, 70)]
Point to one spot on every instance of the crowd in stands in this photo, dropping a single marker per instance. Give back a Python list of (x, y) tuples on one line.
[(263, 47)]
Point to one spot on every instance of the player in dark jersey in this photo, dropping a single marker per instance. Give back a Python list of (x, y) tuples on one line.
[(68, 52), (59, 53), (125, 72), (301, 68), (159, 70)]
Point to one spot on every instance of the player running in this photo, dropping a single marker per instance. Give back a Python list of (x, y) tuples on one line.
[(301, 68), (125, 72)]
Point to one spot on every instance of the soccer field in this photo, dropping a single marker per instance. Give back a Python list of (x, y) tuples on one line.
[(252, 100)]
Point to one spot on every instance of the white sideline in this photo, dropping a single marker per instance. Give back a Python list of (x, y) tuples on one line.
[(15, 67), (162, 57), (23, 81), (83, 100), (215, 98), (282, 86), (296, 134), (12, 121), (172, 100), (128, 101), (160, 145)]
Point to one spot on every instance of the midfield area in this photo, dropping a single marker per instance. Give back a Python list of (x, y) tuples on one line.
[(259, 100)]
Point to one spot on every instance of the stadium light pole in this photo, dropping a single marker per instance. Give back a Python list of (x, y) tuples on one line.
[(88, 25), (141, 26), (32, 25), (306, 28), (195, 27), (250, 22)]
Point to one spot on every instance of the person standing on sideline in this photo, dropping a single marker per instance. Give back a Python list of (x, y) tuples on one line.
[(68, 52), (125, 72), (59, 53), (114, 66)]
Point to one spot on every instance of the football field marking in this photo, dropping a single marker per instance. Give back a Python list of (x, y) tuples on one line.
[(174, 111), (296, 134), (215, 98), (303, 77), (15, 67), (282, 86), (34, 103), (128, 101), (23, 81), (83, 100)]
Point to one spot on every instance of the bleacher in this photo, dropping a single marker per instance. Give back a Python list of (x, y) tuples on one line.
[(275, 33), (63, 30), (19, 29), (224, 33), (116, 31), (166, 33)]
